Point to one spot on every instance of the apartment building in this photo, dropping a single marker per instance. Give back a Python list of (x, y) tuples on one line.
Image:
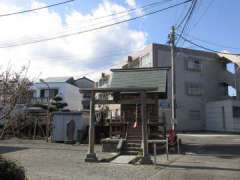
[(203, 82)]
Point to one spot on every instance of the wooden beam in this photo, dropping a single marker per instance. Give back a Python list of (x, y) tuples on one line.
[(127, 101), (119, 89)]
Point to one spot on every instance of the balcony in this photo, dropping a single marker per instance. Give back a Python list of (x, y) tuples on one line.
[(38, 100)]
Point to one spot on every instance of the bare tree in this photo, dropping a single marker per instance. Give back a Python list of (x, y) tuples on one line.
[(14, 89)]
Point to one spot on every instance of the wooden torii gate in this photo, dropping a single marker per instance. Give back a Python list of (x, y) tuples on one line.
[(91, 155)]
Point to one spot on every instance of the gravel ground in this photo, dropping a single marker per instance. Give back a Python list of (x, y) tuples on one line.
[(206, 157)]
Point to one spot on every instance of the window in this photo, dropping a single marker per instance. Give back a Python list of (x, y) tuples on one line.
[(53, 93), (193, 89), (231, 91), (230, 67), (86, 104), (86, 95), (146, 61), (236, 111), (42, 93), (193, 64), (194, 115)]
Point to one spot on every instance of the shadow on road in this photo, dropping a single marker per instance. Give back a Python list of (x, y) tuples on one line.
[(197, 167), (219, 150), (8, 149)]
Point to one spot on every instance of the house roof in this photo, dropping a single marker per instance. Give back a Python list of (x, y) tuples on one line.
[(120, 89), (58, 79), (140, 77), (84, 77)]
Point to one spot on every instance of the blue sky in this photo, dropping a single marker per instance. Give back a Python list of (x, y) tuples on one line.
[(214, 21), (220, 23)]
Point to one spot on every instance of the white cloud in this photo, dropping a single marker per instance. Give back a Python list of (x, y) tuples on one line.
[(131, 3), (75, 55)]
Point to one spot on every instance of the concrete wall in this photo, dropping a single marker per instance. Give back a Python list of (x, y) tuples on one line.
[(60, 121), (211, 75)]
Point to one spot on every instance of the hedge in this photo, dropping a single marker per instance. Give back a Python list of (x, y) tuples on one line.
[(9, 170)]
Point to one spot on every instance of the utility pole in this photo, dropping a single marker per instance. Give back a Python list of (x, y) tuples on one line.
[(236, 80), (172, 39)]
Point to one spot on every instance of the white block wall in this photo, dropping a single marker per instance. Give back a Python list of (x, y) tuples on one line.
[(215, 116)]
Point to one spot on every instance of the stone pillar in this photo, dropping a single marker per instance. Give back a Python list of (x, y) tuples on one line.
[(146, 159), (91, 156)]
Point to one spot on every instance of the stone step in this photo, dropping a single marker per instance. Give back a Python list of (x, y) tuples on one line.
[(124, 159), (137, 141), (134, 138), (132, 144), (134, 132), (129, 152), (129, 148)]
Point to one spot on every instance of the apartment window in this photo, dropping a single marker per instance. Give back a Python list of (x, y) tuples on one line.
[(195, 115), (146, 61), (229, 67), (236, 111), (193, 89), (193, 64)]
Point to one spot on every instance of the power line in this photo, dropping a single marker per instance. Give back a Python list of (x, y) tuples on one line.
[(125, 14), (187, 18), (212, 43), (133, 9), (205, 48), (96, 28), (184, 18), (36, 9), (204, 13), (128, 11), (104, 56)]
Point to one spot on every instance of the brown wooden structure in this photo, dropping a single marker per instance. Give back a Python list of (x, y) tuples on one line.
[(137, 104)]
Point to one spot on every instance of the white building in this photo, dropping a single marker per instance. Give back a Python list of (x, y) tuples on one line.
[(67, 88)]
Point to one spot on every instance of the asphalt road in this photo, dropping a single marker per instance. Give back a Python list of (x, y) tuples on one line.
[(205, 156)]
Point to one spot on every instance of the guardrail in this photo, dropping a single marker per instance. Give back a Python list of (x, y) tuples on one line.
[(155, 142)]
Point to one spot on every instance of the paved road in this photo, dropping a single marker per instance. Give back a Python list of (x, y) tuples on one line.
[(211, 157)]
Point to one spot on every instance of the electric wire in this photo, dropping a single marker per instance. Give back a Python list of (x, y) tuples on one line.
[(212, 43), (36, 9), (205, 48), (187, 18), (124, 16), (96, 28), (203, 14)]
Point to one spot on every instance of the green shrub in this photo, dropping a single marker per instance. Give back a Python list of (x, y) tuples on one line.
[(9, 170)]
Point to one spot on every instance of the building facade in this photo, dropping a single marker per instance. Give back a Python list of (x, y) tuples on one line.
[(67, 88), (200, 78)]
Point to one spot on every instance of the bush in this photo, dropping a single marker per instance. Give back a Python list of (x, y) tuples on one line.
[(9, 170)]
